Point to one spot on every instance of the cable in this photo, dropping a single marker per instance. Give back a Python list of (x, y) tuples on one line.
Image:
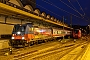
[(46, 9), (76, 9), (80, 7), (49, 10), (70, 7), (62, 9)]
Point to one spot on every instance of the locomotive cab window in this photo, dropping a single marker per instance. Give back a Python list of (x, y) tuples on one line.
[(31, 29), (19, 28), (76, 31)]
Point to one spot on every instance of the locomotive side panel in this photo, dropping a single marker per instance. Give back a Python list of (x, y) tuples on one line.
[(42, 33)]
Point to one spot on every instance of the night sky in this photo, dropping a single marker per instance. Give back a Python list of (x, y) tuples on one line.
[(78, 9)]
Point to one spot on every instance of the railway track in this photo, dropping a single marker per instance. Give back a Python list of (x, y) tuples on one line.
[(14, 50), (45, 50), (75, 54), (18, 49), (60, 52), (55, 50)]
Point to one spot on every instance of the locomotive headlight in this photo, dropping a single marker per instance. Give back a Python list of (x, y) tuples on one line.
[(12, 37), (23, 38), (18, 32)]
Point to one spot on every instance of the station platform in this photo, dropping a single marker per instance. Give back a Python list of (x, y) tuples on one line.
[(4, 43)]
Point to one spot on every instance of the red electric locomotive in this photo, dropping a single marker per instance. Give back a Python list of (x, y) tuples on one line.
[(27, 34), (76, 33)]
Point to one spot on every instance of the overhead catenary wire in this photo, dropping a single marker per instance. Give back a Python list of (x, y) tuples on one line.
[(49, 10), (55, 13), (61, 9), (74, 6), (46, 9), (71, 7), (80, 7), (71, 4)]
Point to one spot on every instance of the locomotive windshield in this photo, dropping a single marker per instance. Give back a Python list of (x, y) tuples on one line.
[(19, 28), (76, 31)]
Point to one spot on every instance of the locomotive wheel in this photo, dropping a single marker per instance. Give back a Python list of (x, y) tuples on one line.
[(36, 42), (43, 41), (14, 46), (31, 43), (25, 44), (68, 37)]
